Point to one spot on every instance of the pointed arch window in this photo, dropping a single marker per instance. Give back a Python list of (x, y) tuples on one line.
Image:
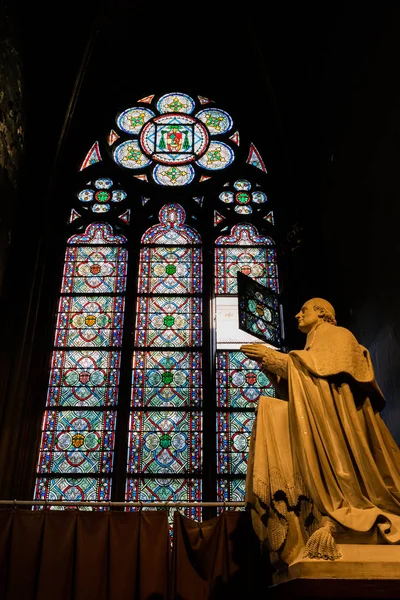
[(175, 440)]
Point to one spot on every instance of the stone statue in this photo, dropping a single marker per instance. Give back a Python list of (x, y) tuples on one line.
[(322, 462)]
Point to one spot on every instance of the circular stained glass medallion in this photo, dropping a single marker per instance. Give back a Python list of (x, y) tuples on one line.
[(218, 156), (100, 208), (172, 175), (118, 196), (217, 121), (176, 103), (259, 197), (102, 196), (174, 139), (133, 119), (243, 210), (103, 184), (86, 195), (243, 198), (242, 184), (129, 155), (227, 197)]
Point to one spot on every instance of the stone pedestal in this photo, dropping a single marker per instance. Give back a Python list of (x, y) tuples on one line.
[(363, 571)]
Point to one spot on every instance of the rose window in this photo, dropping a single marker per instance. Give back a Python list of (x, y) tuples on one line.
[(176, 140)]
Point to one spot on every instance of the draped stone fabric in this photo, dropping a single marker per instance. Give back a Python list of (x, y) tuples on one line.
[(326, 449)]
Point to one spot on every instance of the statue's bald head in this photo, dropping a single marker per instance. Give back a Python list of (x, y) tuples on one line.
[(326, 308)]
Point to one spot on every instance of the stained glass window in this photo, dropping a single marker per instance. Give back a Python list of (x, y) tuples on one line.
[(165, 430), (78, 434), (157, 328)]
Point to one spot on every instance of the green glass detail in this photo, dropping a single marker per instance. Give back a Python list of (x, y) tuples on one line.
[(167, 377), (102, 196), (170, 269), (165, 440), (169, 321), (243, 198)]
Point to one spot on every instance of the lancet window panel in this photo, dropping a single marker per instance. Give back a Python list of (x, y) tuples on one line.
[(239, 380), (76, 456), (165, 426)]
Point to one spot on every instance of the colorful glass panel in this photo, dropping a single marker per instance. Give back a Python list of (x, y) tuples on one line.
[(218, 218), (94, 269), (235, 138), (254, 159), (84, 378), (240, 381), (78, 431), (175, 103), (132, 120), (88, 489), (171, 229), (233, 440), (258, 197), (166, 442), (169, 321), (204, 100), (103, 184), (243, 210), (112, 137), (147, 99), (130, 156), (244, 234), (89, 321), (173, 175), (97, 233), (231, 490), (242, 184), (259, 263), (170, 270), (77, 442), (218, 121), (174, 139), (258, 310), (166, 490), (218, 156), (167, 379), (270, 217), (92, 157)]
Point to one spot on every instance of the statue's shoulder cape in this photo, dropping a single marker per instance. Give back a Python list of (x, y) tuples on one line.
[(335, 351)]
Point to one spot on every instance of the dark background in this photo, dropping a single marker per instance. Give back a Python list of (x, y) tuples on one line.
[(316, 87)]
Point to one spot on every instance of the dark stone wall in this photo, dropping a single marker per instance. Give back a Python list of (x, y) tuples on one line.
[(360, 218), (12, 125)]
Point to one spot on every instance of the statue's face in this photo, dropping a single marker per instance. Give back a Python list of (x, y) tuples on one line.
[(308, 317)]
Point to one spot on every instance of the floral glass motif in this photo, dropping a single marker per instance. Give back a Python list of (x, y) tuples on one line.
[(240, 381), (241, 198), (165, 433), (78, 431), (100, 195), (174, 137)]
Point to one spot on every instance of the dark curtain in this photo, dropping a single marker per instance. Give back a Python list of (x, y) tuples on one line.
[(76, 555), (218, 559)]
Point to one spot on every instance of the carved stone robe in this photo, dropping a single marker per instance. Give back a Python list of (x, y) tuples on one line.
[(325, 451)]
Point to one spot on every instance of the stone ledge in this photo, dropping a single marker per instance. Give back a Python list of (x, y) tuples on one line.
[(363, 571)]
